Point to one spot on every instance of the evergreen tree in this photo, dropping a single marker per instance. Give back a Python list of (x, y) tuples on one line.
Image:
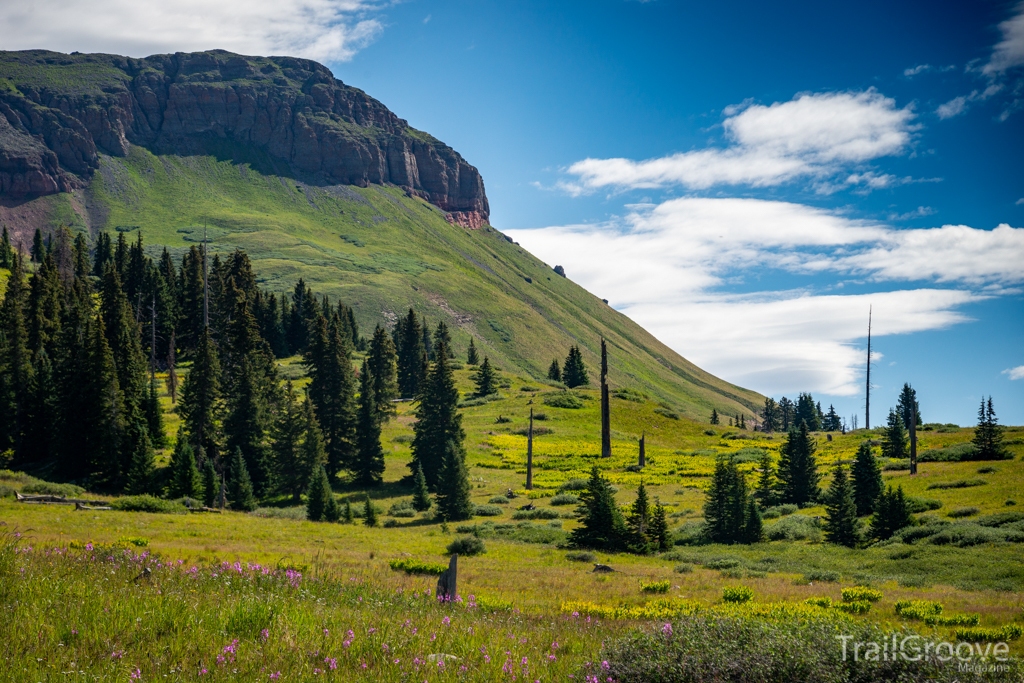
[(841, 511), (140, 465), (554, 371), (832, 423), (786, 413), (369, 464), (289, 428), (332, 391), (453, 489), (200, 397), (714, 417), (37, 252), (485, 379), (753, 527), (185, 478), (438, 422), (347, 515), (471, 355), (638, 522), (210, 483), (103, 255), (6, 250), (313, 454), (240, 490), (892, 513), (658, 532), (317, 495), (867, 480), (601, 526), (153, 415), (574, 371), (442, 336), (369, 513), (725, 503), (798, 468), (766, 482), (988, 435), (907, 407), (421, 501), (807, 411), (894, 437), (222, 496), (412, 356), (383, 367), (100, 413), (332, 511)]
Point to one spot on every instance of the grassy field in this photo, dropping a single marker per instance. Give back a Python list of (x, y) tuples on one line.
[(536, 585)]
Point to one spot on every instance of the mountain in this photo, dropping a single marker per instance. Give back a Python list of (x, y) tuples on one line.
[(314, 179)]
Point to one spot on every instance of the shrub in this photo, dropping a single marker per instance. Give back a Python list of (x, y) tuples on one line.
[(918, 610), (861, 593), (46, 488), (147, 503), (822, 576), (955, 453), (819, 602), (959, 484), (709, 432), (987, 470), (402, 508), (794, 528), (6, 491), (574, 485), (916, 504), (563, 399), (417, 567), (488, 510), (1000, 518), (853, 607), (539, 513), (403, 438), (737, 594), (953, 620), (722, 563), (975, 635), (466, 545), (498, 500), (665, 412), (565, 499), (501, 419), (683, 568), (630, 395), (897, 465), (779, 511), (969, 511), (540, 417), (580, 556), (537, 431), (655, 586)]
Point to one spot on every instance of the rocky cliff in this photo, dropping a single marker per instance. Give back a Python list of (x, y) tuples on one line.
[(59, 112)]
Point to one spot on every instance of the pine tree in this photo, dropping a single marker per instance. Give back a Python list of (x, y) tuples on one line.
[(894, 437), (369, 513), (289, 428), (332, 391), (714, 417), (332, 511), (907, 407), (99, 414), (37, 250), (638, 522), (383, 367), (412, 356), (807, 411), (841, 511), (988, 435), (485, 379), (554, 371), (442, 336), (317, 495), (438, 421), (574, 371), (369, 463), (421, 501), (240, 491), (786, 414), (832, 423), (6, 250), (753, 527), (658, 532), (453, 489), (210, 483), (867, 480), (725, 503), (892, 513), (185, 479), (139, 466), (103, 255), (313, 453), (601, 526), (200, 397), (154, 416), (766, 482), (471, 355), (347, 515), (798, 468)]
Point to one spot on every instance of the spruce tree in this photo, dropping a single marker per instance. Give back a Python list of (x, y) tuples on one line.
[(200, 397), (554, 371), (867, 480), (317, 495), (369, 513), (726, 503), (411, 356), (471, 355), (766, 482), (240, 490), (485, 379), (832, 422), (369, 463), (638, 522), (907, 406), (185, 478), (37, 250), (442, 336), (988, 435), (601, 526), (658, 532), (313, 453), (894, 437), (798, 468), (841, 511), (154, 416), (753, 527), (210, 483), (714, 417), (101, 412), (786, 414), (346, 514), (892, 513), (574, 371), (138, 470), (421, 501), (332, 391), (6, 250), (288, 431), (438, 421), (807, 411), (453, 489), (384, 367)]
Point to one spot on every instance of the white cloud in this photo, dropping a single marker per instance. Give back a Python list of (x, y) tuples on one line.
[(1009, 52), (913, 71), (813, 135), (955, 107), (325, 30), (664, 266), (1015, 373), (1020, 202)]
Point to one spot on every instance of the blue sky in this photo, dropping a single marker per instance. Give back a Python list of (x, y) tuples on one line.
[(743, 178)]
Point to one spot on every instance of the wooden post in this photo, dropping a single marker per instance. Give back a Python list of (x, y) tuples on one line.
[(913, 436), (643, 452), (606, 427), (529, 455)]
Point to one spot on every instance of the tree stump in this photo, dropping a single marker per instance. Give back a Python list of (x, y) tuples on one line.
[(447, 582)]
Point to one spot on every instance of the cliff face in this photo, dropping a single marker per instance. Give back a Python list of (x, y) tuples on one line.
[(58, 112)]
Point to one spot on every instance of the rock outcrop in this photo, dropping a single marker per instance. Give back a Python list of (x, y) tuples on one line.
[(59, 112)]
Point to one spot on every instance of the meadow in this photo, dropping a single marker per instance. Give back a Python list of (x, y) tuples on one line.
[(97, 618)]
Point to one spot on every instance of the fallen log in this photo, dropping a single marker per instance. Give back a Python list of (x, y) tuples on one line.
[(49, 498), (81, 506), (204, 509)]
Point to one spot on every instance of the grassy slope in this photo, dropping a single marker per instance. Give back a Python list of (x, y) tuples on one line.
[(383, 252)]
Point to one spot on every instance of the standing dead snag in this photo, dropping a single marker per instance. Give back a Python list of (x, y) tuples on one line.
[(643, 450), (447, 582), (529, 454), (606, 428)]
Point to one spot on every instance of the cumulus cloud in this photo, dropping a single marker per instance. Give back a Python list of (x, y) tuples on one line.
[(672, 261), (1009, 52), (325, 30), (812, 135), (1015, 373)]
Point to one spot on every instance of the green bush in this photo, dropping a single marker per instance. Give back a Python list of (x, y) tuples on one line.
[(794, 528), (488, 510), (917, 505), (861, 593), (655, 586), (498, 500), (580, 556), (538, 513), (147, 503), (565, 499), (959, 484), (853, 607), (955, 453), (722, 563), (779, 511), (968, 511), (417, 567), (466, 545), (737, 594), (683, 568), (1000, 518), (45, 488), (975, 635), (918, 610), (563, 399), (819, 602), (574, 485)]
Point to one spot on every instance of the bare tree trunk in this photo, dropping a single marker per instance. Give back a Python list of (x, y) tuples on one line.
[(529, 455), (643, 450), (606, 427)]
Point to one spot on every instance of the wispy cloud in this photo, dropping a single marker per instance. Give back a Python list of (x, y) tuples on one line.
[(812, 135), (1009, 52), (325, 30), (666, 266), (915, 70), (1015, 373)]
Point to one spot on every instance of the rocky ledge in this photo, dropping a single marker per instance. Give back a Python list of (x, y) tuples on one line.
[(58, 112)]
